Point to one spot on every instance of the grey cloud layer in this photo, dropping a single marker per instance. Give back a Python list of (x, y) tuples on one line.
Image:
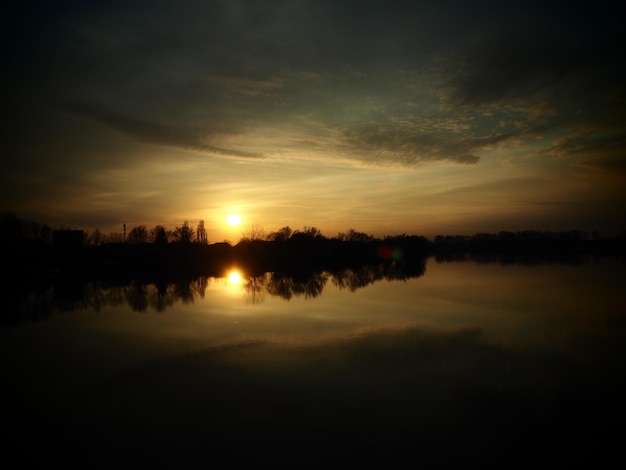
[(409, 147), (198, 138), (171, 75), (547, 85)]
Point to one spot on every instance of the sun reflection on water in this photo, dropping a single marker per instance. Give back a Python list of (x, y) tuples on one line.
[(234, 277)]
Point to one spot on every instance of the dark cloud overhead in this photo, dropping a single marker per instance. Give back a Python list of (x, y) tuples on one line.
[(520, 67)]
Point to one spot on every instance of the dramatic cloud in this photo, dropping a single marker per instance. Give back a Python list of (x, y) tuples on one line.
[(198, 138), (399, 145), (568, 91)]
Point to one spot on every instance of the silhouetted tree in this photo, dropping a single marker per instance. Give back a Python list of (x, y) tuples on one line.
[(158, 235), (183, 234), (95, 238), (114, 237), (138, 235), (281, 234), (252, 233), (307, 233), (201, 233), (12, 228), (355, 236)]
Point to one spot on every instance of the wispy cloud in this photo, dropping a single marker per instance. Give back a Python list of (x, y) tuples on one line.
[(191, 138), (568, 91), (597, 148), (402, 144)]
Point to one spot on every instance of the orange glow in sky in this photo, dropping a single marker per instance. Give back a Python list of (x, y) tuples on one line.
[(233, 220)]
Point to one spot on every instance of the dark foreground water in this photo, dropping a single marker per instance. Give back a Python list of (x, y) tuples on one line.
[(458, 364)]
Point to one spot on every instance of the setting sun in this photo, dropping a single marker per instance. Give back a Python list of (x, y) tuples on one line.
[(233, 220)]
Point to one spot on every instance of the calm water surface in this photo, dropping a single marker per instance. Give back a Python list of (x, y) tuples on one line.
[(467, 361)]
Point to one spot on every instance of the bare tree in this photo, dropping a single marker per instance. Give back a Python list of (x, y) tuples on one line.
[(201, 233), (253, 232)]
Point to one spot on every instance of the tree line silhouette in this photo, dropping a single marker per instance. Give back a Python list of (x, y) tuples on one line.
[(153, 268), (30, 246)]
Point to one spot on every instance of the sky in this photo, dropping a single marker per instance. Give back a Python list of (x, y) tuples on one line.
[(387, 117)]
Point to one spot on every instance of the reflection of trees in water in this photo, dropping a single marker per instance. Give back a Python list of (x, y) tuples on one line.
[(98, 296), (184, 291), (75, 294), (284, 286), (358, 278), (255, 288), (160, 297), (287, 286), (529, 258), (199, 285), (136, 296), (143, 296)]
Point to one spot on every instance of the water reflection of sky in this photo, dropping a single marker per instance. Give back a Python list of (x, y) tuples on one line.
[(525, 305), (463, 344), (529, 306)]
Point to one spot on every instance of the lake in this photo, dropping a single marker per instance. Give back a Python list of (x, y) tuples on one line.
[(446, 363)]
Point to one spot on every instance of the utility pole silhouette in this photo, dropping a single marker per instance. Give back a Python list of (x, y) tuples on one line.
[(124, 232)]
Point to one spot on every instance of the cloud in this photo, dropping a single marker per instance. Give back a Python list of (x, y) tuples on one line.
[(189, 138), (565, 94), (505, 70), (520, 67), (600, 149), (410, 146), (565, 80)]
